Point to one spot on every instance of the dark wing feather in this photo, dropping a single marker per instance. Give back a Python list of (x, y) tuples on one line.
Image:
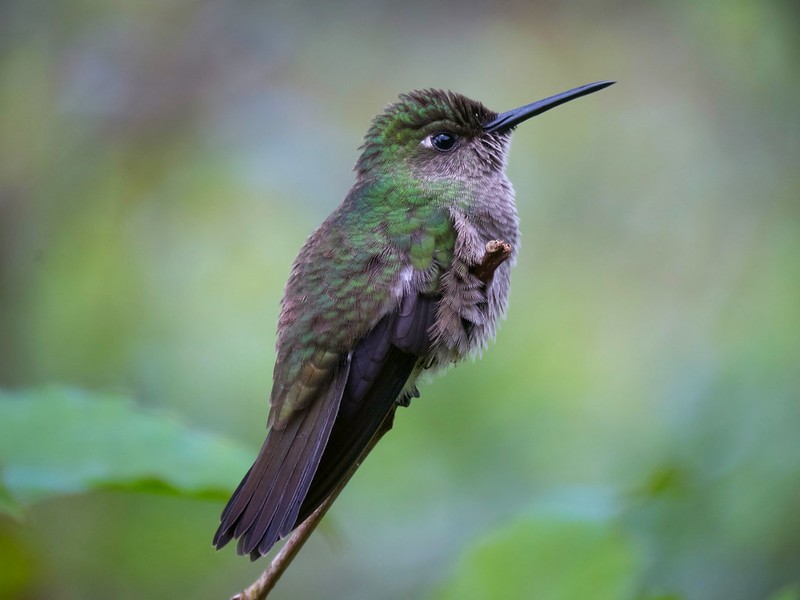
[(381, 365), (411, 326)]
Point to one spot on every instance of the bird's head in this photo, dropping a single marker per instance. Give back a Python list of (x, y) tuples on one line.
[(441, 135)]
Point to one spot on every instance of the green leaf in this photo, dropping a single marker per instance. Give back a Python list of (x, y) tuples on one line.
[(59, 440), (547, 558)]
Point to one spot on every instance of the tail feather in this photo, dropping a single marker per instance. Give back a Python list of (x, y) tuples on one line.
[(268, 495)]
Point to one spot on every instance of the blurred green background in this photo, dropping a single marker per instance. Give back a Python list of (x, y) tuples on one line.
[(634, 432)]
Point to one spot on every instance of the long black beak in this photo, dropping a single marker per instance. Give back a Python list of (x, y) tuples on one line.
[(512, 118)]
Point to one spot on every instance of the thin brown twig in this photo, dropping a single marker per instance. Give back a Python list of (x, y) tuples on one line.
[(497, 252)]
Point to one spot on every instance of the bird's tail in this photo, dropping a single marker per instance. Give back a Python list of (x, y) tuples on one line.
[(265, 506)]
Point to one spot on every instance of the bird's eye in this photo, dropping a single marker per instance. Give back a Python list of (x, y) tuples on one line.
[(444, 141)]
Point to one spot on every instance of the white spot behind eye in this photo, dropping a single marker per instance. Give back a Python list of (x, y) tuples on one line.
[(426, 142)]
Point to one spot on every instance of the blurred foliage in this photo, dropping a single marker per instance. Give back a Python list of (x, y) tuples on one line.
[(791, 592), (548, 559), (160, 165), (105, 441)]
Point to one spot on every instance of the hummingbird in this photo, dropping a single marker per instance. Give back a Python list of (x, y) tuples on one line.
[(383, 290)]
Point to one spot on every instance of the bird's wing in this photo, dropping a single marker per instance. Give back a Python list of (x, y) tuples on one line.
[(351, 330), (381, 365), (339, 406)]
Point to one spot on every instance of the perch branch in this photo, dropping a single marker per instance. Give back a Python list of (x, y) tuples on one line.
[(497, 252)]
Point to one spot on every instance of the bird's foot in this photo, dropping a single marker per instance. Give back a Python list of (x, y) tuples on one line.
[(405, 399)]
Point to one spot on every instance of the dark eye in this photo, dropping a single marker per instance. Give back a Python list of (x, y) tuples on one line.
[(444, 141)]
